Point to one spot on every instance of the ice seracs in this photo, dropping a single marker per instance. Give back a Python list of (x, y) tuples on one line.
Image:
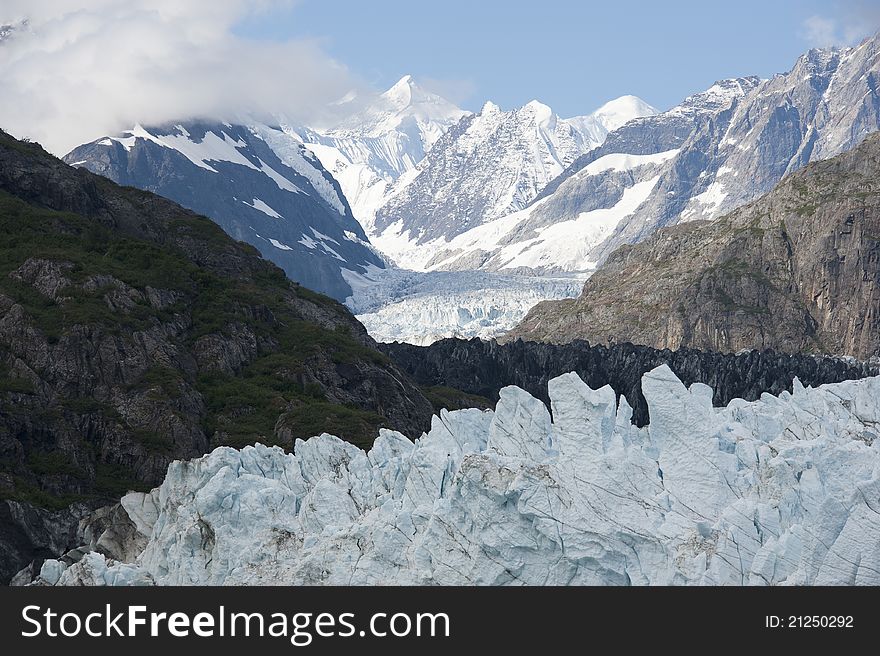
[(781, 491), (420, 308)]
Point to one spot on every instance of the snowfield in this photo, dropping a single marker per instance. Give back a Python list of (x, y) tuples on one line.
[(779, 491)]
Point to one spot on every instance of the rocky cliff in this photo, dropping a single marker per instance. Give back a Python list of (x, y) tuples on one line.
[(485, 367), (797, 270), (134, 332)]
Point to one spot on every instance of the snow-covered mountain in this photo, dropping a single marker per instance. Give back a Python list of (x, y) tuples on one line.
[(716, 151), (486, 166), (258, 182), (380, 139), (756, 493), (582, 206), (825, 105)]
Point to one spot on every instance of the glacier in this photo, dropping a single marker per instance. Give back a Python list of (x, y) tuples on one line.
[(423, 307), (784, 490)]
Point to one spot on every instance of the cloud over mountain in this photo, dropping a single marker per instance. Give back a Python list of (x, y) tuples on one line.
[(73, 70)]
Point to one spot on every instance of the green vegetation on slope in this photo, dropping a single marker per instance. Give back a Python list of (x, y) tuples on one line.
[(242, 407)]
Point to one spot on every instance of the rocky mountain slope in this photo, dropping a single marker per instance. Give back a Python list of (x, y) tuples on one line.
[(797, 270), (716, 151), (486, 166), (484, 368), (757, 493), (259, 183), (134, 332), (378, 140)]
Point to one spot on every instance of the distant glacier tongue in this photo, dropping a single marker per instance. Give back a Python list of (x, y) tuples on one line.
[(779, 491), (421, 308)]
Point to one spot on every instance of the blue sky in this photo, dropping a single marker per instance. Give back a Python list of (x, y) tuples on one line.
[(573, 55)]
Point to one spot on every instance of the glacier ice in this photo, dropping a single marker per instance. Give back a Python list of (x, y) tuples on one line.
[(423, 307), (783, 490)]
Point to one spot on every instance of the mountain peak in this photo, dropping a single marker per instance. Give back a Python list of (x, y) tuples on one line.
[(406, 91), (537, 105), (402, 91), (404, 101), (720, 95), (622, 110), (542, 113)]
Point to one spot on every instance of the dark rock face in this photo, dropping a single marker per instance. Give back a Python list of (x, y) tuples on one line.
[(797, 270), (28, 533), (134, 332), (483, 368)]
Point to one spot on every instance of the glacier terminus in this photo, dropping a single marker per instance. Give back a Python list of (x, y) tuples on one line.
[(780, 491)]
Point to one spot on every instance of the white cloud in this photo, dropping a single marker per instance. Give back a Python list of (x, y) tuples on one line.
[(820, 31), (853, 21), (80, 69), (457, 91)]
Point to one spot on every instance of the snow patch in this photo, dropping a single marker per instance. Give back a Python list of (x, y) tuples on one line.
[(567, 244), (308, 242), (278, 244), (624, 162), (323, 237), (288, 146), (261, 206)]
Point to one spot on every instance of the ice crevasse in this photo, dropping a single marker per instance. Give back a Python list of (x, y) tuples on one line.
[(783, 490)]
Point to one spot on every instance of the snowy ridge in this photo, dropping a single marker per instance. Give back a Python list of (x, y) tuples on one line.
[(528, 240), (258, 182), (372, 147), (487, 166), (613, 115), (780, 491)]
